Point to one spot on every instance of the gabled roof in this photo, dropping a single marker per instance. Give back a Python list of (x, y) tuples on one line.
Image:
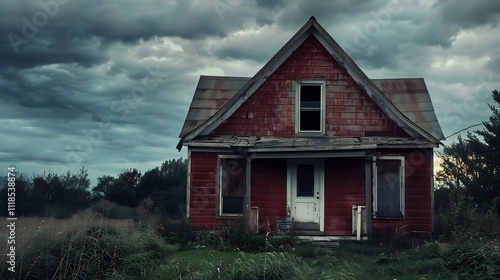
[(312, 27), (410, 96)]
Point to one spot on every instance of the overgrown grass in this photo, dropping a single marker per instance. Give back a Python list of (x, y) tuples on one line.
[(235, 238), (474, 259), (210, 264), (91, 249), (88, 247)]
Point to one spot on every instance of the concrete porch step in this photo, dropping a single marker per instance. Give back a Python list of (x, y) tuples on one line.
[(326, 244), (328, 238), (308, 232)]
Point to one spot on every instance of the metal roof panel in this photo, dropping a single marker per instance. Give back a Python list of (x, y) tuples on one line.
[(211, 93), (410, 96)]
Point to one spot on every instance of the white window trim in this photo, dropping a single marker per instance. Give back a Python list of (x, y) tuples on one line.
[(374, 184), (321, 83), (218, 190)]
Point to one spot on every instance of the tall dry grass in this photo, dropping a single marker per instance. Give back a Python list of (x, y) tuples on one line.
[(85, 246), (29, 227)]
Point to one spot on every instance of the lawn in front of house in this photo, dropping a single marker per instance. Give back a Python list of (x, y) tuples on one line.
[(348, 261), (88, 247)]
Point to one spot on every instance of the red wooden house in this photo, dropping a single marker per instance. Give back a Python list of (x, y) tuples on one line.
[(312, 140)]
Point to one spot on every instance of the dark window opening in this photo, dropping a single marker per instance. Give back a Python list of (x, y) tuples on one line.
[(232, 185), (389, 189), (310, 120), (232, 205), (305, 180), (310, 108)]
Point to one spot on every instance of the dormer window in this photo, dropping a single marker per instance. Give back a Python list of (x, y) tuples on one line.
[(310, 107)]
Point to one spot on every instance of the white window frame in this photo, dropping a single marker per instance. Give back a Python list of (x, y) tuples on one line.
[(374, 185), (298, 85), (220, 214)]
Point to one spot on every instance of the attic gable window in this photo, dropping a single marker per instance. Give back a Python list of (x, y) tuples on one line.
[(388, 188), (310, 112)]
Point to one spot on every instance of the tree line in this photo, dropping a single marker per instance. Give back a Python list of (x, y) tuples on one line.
[(62, 195), (471, 165)]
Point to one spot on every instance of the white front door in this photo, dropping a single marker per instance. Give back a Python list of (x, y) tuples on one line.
[(306, 193)]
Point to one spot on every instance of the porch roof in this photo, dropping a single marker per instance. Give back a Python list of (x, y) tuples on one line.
[(300, 144)]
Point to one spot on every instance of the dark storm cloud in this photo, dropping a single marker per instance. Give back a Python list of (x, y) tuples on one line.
[(269, 3), (451, 16), (107, 84), (82, 31), (54, 89), (326, 12)]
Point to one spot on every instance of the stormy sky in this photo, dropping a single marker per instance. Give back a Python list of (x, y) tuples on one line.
[(107, 84)]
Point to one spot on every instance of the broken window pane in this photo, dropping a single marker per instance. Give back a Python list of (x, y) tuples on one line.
[(389, 189)]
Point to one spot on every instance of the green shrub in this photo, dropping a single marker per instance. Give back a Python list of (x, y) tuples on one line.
[(464, 220), (176, 232), (234, 237)]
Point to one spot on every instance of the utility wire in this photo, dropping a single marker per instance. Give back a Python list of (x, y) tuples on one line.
[(474, 125)]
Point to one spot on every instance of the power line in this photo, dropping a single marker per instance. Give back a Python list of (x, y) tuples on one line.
[(474, 125)]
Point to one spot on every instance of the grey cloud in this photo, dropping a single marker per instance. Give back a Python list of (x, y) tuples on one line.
[(82, 31), (269, 3), (494, 64), (469, 14), (326, 12), (92, 54)]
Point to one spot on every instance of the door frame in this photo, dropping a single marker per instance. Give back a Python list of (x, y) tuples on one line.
[(319, 175)]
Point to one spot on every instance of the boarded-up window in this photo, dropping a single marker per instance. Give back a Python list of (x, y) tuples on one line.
[(389, 192), (232, 185)]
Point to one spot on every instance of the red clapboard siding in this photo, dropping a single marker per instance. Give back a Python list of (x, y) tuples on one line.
[(418, 216), (270, 110), (344, 187), (203, 182), (269, 178)]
